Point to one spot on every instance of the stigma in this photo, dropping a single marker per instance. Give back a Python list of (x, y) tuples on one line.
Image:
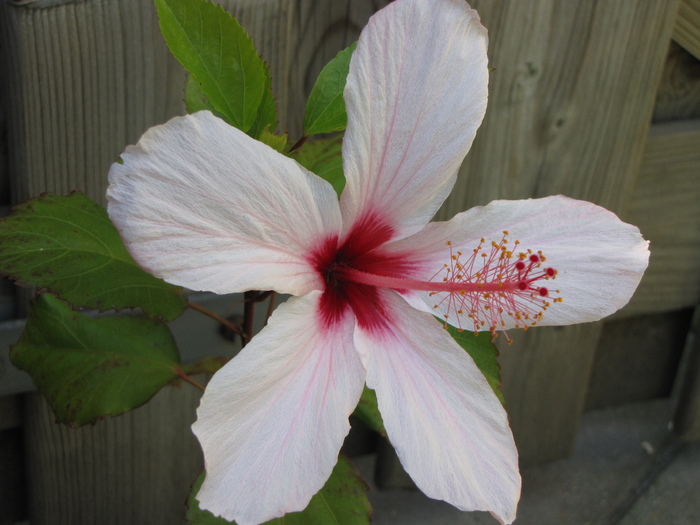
[(497, 280)]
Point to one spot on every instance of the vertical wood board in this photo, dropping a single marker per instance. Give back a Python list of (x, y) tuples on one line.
[(678, 97), (570, 104), (298, 38), (637, 359), (686, 417), (687, 30), (665, 206), (570, 100), (136, 468), (545, 379), (86, 79), (566, 115)]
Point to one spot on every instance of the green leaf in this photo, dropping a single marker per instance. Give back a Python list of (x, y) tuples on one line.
[(367, 411), (276, 142), (324, 158), (88, 368), (69, 246), (484, 353), (266, 119), (206, 365), (325, 110), (342, 500), (196, 100), (215, 49)]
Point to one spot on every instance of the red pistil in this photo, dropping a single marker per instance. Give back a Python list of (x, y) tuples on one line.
[(491, 284), (479, 290), (510, 282)]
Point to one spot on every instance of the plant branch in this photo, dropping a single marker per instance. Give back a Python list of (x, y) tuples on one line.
[(182, 375), (249, 314), (270, 306), (298, 144), (228, 324)]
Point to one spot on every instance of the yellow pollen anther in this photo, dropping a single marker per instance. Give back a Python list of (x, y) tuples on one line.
[(502, 283)]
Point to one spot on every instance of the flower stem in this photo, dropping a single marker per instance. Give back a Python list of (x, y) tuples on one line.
[(249, 314), (228, 324), (188, 379), (298, 144), (270, 306)]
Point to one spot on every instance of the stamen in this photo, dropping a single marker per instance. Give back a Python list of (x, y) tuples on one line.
[(495, 281), (509, 284)]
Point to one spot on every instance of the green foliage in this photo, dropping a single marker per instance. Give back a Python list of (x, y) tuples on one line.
[(324, 158), (367, 411), (325, 109), (266, 118), (69, 246), (196, 100), (484, 353), (218, 53), (89, 368), (343, 499), (276, 142), (206, 365)]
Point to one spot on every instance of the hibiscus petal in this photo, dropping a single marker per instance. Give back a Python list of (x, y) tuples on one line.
[(272, 421), (416, 94), (202, 205), (598, 258), (446, 424)]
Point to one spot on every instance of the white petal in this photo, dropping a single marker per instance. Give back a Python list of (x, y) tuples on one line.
[(416, 94), (202, 205), (446, 424), (599, 259), (272, 421)]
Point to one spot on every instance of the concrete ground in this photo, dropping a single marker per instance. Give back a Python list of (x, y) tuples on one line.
[(627, 469)]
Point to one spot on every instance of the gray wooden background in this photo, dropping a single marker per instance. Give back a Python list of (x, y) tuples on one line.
[(595, 100)]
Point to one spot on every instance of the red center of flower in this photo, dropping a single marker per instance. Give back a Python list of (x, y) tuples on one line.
[(359, 252), (477, 291)]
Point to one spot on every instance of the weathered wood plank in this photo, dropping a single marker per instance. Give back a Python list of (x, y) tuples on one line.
[(127, 469), (637, 359), (686, 417), (665, 207), (297, 38), (566, 115), (687, 30), (86, 79), (545, 380), (679, 91)]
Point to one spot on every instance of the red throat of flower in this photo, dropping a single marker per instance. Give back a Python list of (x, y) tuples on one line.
[(475, 291)]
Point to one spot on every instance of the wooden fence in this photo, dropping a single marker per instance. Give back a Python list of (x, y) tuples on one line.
[(596, 100)]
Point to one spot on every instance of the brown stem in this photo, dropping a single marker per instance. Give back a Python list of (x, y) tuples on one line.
[(228, 324), (188, 379), (262, 296), (270, 306), (298, 144), (248, 315)]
